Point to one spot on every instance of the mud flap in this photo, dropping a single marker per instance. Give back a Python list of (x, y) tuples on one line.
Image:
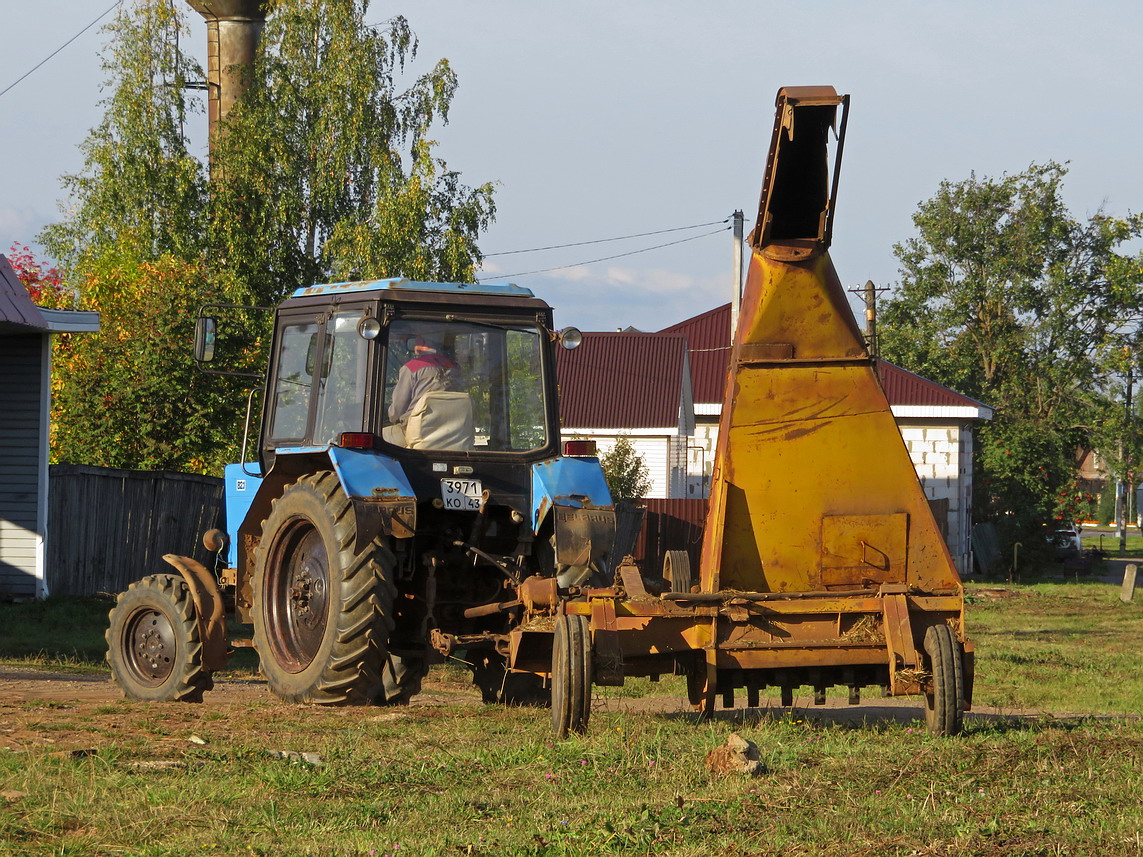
[(210, 612)]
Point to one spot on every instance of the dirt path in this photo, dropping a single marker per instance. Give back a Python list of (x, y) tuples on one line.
[(64, 712)]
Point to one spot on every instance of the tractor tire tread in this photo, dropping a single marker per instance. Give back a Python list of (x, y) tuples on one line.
[(352, 671)]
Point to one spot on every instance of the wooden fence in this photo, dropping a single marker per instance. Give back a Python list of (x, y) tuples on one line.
[(108, 528)]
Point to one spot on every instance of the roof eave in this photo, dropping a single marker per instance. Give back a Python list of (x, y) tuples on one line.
[(70, 321)]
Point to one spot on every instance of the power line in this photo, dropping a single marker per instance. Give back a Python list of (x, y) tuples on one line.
[(608, 258), (60, 48), (605, 240)]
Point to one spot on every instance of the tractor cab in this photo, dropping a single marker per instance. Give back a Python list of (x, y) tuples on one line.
[(389, 365)]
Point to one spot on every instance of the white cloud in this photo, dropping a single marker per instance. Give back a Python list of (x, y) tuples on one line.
[(575, 273)]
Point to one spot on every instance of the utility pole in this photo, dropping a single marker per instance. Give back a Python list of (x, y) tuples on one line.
[(736, 275), (871, 318), (1125, 484)]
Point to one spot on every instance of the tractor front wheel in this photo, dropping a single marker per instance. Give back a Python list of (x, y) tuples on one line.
[(153, 642), (322, 609)]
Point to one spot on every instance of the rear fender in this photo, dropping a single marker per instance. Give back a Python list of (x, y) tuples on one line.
[(383, 500), (382, 497), (210, 613)]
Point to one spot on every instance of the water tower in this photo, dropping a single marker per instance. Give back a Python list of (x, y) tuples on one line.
[(232, 31)]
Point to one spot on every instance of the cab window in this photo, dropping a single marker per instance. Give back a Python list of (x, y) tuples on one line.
[(293, 382), (342, 388), (464, 386)]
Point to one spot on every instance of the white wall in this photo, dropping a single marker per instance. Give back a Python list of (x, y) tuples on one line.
[(666, 469), (943, 458)]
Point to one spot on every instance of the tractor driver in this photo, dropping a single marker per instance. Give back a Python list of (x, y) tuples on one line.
[(428, 371)]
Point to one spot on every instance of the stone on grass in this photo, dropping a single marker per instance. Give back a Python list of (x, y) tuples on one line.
[(736, 756)]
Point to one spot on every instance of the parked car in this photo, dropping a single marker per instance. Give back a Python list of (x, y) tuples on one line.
[(1066, 540)]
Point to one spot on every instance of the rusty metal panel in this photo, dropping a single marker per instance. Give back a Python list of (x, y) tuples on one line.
[(809, 455), (583, 536), (863, 549)]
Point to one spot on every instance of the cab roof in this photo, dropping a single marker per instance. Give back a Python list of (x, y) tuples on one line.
[(395, 283)]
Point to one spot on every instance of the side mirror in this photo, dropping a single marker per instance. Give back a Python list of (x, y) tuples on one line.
[(205, 336)]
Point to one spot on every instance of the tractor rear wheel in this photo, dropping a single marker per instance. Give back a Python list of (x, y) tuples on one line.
[(571, 675), (322, 609), (153, 642), (944, 704)]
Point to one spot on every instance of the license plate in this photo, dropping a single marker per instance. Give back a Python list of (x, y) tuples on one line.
[(461, 493)]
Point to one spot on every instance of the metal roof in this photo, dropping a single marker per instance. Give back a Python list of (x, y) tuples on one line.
[(708, 336), (911, 395), (622, 381), (413, 286)]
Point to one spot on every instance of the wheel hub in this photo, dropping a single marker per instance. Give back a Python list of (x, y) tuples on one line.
[(297, 593), (307, 593), (150, 647)]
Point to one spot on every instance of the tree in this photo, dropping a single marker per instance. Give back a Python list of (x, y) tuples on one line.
[(141, 194), (1006, 297), (625, 471), (45, 285), (130, 396), (325, 171)]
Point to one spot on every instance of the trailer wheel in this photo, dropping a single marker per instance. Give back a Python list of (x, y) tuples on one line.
[(153, 642), (571, 675), (677, 570), (323, 611), (944, 704)]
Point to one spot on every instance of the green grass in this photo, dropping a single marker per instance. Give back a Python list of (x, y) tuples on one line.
[(489, 781), (465, 779), (1110, 543), (62, 633), (1059, 646)]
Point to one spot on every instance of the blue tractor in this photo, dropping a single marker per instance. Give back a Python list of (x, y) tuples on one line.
[(408, 502)]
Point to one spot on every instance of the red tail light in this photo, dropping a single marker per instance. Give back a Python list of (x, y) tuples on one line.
[(357, 440), (579, 447)]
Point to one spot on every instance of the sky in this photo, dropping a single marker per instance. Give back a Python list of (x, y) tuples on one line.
[(603, 119)]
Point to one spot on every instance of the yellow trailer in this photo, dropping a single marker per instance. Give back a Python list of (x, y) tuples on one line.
[(822, 564)]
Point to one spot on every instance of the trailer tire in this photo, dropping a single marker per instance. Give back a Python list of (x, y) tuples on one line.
[(323, 610), (944, 703), (153, 642), (571, 675), (677, 570)]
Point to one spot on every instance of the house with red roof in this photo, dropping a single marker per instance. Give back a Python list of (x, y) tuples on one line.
[(664, 390), (637, 385)]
